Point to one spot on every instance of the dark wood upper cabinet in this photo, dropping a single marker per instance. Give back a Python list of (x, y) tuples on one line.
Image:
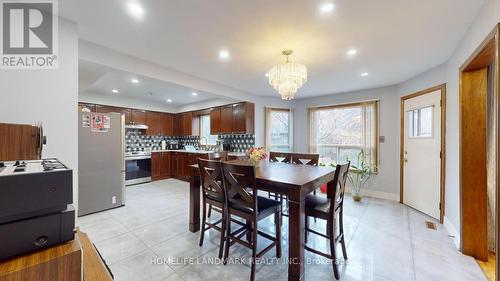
[(153, 121), (88, 106), (215, 118), (167, 124), (187, 119), (226, 119), (138, 116), (243, 118), (107, 109)]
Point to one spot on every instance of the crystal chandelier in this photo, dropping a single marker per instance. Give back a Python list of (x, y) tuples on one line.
[(288, 77)]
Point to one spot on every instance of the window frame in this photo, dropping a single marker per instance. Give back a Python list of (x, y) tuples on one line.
[(291, 132), (374, 103), (411, 126), (201, 130)]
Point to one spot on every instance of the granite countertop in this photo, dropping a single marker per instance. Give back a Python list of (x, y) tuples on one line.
[(198, 152)]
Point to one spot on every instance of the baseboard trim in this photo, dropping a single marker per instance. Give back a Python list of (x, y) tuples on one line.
[(378, 194), (452, 231)]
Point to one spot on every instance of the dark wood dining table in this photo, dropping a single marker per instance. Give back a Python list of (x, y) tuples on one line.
[(292, 180)]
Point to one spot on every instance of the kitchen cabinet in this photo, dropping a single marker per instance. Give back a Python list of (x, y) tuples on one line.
[(161, 165), (109, 109), (215, 118), (187, 119), (138, 116), (88, 106), (226, 119), (165, 165), (243, 118), (153, 121), (155, 166), (177, 122), (167, 124)]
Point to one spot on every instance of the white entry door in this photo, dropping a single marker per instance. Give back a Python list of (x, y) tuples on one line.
[(422, 148)]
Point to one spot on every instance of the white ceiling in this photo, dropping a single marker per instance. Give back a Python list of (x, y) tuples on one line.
[(396, 39), (97, 79)]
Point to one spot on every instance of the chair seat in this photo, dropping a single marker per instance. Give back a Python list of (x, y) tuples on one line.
[(215, 198), (263, 205), (317, 206)]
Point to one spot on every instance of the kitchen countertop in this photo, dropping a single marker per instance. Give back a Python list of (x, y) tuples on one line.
[(198, 151)]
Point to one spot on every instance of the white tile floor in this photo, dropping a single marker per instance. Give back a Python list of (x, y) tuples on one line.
[(386, 241)]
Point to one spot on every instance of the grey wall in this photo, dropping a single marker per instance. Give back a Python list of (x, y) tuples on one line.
[(48, 96), (448, 73), (386, 183)]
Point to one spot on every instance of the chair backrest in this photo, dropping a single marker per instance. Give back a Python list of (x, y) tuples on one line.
[(212, 181), (276, 157), (239, 182), (310, 159), (220, 156), (336, 190)]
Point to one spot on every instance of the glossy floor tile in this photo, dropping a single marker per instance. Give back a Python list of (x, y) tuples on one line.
[(148, 240)]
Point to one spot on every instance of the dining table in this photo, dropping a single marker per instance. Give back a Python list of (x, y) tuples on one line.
[(292, 180)]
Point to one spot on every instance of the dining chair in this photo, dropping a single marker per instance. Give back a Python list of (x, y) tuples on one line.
[(283, 157), (243, 202), (213, 194), (278, 157), (220, 156), (311, 159), (331, 209)]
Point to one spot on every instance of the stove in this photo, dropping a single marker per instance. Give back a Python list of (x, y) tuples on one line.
[(137, 167)]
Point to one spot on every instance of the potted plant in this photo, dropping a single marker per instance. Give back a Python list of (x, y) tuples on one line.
[(359, 175), (257, 154)]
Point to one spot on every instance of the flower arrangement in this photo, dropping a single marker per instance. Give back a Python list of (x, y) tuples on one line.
[(257, 154)]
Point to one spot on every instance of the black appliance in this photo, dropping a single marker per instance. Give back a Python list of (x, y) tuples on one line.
[(226, 146), (137, 168), (35, 210)]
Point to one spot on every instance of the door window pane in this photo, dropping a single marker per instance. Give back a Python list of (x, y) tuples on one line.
[(421, 122), (279, 130)]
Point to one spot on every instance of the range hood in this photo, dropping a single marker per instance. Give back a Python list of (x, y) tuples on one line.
[(136, 126)]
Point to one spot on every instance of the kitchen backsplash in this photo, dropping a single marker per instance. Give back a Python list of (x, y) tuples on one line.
[(135, 140)]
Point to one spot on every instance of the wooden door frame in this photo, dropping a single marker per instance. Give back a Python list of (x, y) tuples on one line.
[(485, 55), (441, 88)]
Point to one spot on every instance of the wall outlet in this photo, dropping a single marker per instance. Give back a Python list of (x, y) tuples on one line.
[(113, 200)]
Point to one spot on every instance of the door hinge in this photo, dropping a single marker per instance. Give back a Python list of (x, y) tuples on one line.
[(440, 206), (440, 103), (440, 155)]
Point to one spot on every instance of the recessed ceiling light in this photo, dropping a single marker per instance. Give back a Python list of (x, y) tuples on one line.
[(328, 7), (352, 52), (135, 10), (115, 91), (135, 81), (194, 93), (224, 54), (169, 100), (364, 74), (267, 74)]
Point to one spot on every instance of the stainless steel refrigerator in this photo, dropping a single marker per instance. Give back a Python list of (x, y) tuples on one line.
[(101, 162)]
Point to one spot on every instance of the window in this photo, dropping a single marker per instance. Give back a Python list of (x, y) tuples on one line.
[(420, 122), (205, 131), (340, 133), (279, 123)]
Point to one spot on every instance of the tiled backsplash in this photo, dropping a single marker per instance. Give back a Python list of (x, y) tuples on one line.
[(135, 140), (239, 143)]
